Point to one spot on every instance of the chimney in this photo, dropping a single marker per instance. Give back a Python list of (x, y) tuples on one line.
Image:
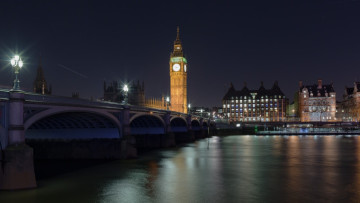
[(319, 84), (300, 83)]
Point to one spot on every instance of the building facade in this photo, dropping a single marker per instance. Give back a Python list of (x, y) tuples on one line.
[(178, 77), (136, 95), (114, 93), (317, 102), (40, 84), (351, 103), (260, 105)]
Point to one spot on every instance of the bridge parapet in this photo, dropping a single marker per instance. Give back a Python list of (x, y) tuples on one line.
[(4, 94)]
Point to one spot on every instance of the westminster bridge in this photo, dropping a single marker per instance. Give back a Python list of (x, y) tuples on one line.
[(70, 128)]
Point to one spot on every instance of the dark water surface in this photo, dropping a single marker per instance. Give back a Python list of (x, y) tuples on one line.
[(221, 169)]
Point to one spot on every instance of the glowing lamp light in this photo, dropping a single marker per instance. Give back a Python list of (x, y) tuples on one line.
[(167, 99), (125, 92), (17, 64), (21, 64), (126, 88)]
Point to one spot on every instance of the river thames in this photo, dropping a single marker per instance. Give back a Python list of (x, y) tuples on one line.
[(219, 169)]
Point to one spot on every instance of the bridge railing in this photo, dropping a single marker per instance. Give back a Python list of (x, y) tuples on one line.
[(4, 94), (61, 100), (32, 97)]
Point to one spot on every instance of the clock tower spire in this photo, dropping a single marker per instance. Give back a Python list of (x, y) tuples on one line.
[(178, 77)]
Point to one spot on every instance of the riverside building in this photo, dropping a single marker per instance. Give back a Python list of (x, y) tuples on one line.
[(255, 105), (351, 103), (317, 102)]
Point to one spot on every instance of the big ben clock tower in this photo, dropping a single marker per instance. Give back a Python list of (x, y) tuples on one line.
[(178, 77)]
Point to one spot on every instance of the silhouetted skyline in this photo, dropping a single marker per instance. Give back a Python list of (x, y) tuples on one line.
[(83, 44)]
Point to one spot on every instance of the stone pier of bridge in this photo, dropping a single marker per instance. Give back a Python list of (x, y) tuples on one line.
[(17, 161)]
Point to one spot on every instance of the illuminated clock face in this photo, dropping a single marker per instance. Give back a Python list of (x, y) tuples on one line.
[(185, 68), (176, 67)]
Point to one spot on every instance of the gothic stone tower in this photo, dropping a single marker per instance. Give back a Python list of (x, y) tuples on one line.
[(178, 77), (40, 85)]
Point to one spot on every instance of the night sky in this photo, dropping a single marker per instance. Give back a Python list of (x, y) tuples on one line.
[(83, 44)]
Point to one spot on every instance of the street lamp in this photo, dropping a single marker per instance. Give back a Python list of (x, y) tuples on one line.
[(189, 107), (16, 63), (167, 103), (125, 91)]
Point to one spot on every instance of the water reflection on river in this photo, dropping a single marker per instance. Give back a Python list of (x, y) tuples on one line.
[(226, 169)]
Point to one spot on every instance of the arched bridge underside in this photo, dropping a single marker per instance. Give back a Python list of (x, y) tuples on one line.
[(178, 124), (195, 125), (147, 124), (73, 125)]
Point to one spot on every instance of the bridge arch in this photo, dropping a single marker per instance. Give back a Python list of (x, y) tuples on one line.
[(147, 124), (195, 123), (68, 122), (178, 122)]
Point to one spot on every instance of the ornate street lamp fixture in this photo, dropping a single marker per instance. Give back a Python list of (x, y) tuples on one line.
[(125, 91), (167, 103), (17, 64)]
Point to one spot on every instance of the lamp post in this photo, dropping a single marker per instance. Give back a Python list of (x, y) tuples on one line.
[(189, 107), (167, 103), (125, 91), (17, 64)]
